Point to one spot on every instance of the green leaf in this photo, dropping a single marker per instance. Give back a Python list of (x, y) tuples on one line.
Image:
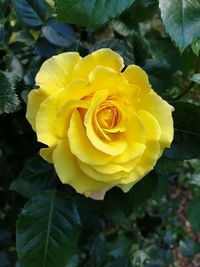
[(181, 20), (196, 46), (90, 13), (186, 141), (9, 101), (47, 230), (31, 12), (196, 78), (193, 213), (119, 262), (120, 247), (189, 248), (3, 260), (137, 49), (143, 9), (160, 76), (58, 34), (36, 176)]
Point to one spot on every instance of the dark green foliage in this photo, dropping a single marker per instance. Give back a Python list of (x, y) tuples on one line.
[(90, 13), (189, 248), (36, 176), (58, 34), (55, 225), (181, 19), (193, 213), (186, 141), (31, 12), (9, 101), (47, 230)]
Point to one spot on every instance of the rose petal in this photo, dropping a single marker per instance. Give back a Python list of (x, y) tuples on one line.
[(102, 57), (111, 148), (80, 145), (136, 75), (47, 114), (46, 153), (152, 127), (162, 112), (109, 178), (35, 98), (55, 72), (103, 78), (145, 164), (70, 173)]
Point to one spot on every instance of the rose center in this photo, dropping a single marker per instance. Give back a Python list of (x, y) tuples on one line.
[(107, 117)]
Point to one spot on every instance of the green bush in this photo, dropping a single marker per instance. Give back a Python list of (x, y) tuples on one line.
[(156, 223)]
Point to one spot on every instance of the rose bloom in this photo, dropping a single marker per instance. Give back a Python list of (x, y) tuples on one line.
[(103, 126)]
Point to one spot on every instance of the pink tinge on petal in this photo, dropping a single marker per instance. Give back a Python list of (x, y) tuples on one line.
[(98, 195)]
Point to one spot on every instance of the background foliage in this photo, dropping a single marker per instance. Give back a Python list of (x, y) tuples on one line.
[(44, 223)]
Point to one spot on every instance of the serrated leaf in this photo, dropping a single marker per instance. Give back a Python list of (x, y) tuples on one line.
[(31, 12), (193, 213), (9, 101), (47, 230), (90, 13), (186, 141), (181, 20), (36, 176)]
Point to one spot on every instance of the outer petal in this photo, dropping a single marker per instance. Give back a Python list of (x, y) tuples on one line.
[(135, 135), (145, 164), (46, 153), (103, 78), (136, 75), (46, 116), (162, 112), (112, 168), (99, 176), (56, 72), (35, 98), (69, 172), (103, 57)]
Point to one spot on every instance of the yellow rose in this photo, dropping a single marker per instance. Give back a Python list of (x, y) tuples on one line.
[(104, 127)]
